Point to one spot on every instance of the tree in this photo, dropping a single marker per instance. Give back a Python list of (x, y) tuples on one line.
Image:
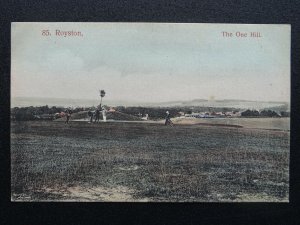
[(268, 113), (250, 113), (102, 94)]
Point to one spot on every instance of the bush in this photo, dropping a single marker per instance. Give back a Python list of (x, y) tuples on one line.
[(285, 114), (269, 113), (250, 113)]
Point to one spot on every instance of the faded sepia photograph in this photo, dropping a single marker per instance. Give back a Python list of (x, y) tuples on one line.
[(150, 112)]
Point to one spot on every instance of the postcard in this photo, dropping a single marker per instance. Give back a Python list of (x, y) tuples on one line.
[(150, 112)]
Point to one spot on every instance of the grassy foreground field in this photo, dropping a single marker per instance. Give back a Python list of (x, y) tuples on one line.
[(52, 161)]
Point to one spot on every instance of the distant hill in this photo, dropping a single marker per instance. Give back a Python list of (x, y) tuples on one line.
[(228, 103)]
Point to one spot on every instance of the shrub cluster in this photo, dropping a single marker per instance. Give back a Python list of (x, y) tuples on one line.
[(264, 113)]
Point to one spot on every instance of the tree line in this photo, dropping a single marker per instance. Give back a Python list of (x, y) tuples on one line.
[(264, 113), (34, 113), (46, 112)]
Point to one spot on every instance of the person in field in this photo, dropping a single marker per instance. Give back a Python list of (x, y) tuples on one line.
[(97, 115), (104, 114), (168, 120), (90, 114), (68, 113)]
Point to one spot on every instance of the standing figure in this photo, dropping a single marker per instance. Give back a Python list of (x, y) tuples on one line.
[(68, 115), (90, 114), (104, 114), (168, 120), (97, 115)]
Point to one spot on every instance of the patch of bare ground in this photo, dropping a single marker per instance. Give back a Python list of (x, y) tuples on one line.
[(83, 194), (115, 194), (251, 123)]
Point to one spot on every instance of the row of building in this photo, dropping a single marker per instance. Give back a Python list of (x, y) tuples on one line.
[(211, 114)]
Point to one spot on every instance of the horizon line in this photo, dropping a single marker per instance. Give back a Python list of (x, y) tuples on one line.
[(171, 101)]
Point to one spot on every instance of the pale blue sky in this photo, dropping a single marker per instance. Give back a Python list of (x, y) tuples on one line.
[(151, 62)]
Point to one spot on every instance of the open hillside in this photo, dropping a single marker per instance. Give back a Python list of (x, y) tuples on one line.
[(83, 115)]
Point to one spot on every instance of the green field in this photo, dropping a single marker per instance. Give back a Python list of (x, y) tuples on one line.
[(119, 161)]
